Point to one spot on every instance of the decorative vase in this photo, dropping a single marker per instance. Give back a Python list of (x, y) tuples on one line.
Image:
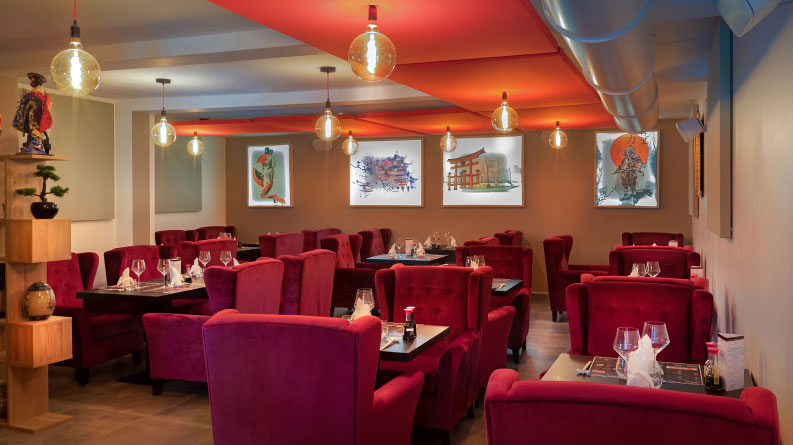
[(39, 302), (43, 210)]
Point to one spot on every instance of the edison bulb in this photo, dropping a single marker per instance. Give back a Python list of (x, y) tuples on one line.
[(372, 55), (558, 138), (74, 71), (350, 145), (504, 118), (328, 126), (195, 147), (448, 142), (162, 133)]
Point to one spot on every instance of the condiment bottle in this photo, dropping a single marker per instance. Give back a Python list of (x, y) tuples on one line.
[(410, 324)]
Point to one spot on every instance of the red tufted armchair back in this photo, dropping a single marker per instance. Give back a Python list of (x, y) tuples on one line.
[(483, 241), (312, 238), (346, 248), (174, 237), (70, 276), (675, 262), (287, 243), (650, 238), (374, 242), (118, 259), (511, 262), (510, 237), (212, 232), (308, 283), (189, 251), (253, 287)]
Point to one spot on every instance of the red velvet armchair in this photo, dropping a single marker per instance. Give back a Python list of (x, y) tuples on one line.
[(189, 251), (174, 237), (650, 238), (308, 283), (176, 350), (561, 273), (457, 297), (212, 232), (483, 241), (303, 380), (349, 275), (596, 308), (96, 337), (509, 262), (510, 237), (675, 262), (287, 243), (311, 238), (516, 410), (374, 242)]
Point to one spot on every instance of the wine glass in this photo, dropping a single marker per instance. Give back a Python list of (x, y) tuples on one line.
[(224, 235), (225, 257), (163, 266), (639, 270), (653, 268), (364, 296), (383, 329), (399, 246), (625, 343), (138, 266), (448, 236), (480, 260), (204, 257), (659, 337)]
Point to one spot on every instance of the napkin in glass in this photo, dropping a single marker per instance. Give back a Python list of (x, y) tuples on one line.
[(195, 270), (634, 271), (126, 281), (392, 251), (420, 251), (641, 363), (453, 242), (361, 310), (176, 277), (235, 263), (428, 241)]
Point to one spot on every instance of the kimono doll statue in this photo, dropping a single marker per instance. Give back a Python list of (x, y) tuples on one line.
[(33, 117)]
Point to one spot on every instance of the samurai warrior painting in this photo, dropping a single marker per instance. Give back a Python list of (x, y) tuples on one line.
[(33, 117), (265, 174), (628, 170)]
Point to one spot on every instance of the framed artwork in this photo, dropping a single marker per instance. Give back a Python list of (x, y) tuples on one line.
[(387, 173), (270, 176), (626, 170), (484, 171)]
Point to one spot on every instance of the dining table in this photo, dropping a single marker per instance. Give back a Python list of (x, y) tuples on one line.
[(447, 251), (395, 348), (248, 253), (408, 260), (504, 286)]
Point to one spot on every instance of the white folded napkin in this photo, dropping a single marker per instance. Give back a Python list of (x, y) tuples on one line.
[(428, 242), (125, 280), (176, 277), (655, 245), (420, 251), (673, 243), (453, 242), (634, 271), (641, 363), (235, 262), (392, 251), (195, 270), (361, 310)]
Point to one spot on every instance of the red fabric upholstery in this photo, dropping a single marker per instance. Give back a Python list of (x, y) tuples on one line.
[(287, 243), (303, 380), (349, 276), (374, 242), (515, 410), (495, 340), (174, 237), (510, 262), (650, 238), (96, 338), (675, 262), (308, 283), (118, 259), (176, 349), (212, 232), (189, 251), (510, 237), (442, 295), (560, 273), (483, 241), (596, 308), (312, 237)]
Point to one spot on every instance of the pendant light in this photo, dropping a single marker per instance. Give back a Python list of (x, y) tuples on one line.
[(372, 55), (75, 71), (195, 147), (558, 138), (350, 145), (504, 118), (328, 127), (448, 142), (162, 133)]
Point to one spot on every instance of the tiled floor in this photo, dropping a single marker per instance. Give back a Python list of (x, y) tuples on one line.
[(108, 412)]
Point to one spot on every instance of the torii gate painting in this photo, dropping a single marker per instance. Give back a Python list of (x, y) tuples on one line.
[(461, 177)]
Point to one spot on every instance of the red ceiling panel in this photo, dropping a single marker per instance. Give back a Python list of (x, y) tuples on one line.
[(573, 117), (223, 127), (422, 30), (433, 121), (360, 128)]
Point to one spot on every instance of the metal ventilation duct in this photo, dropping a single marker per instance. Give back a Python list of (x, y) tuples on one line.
[(613, 42)]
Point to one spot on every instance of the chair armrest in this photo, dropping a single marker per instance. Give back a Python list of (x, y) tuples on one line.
[(762, 405), (589, 267), (393, 408), (176, 346), (374, 266), (458, 367), (89, 263), (701, 283)]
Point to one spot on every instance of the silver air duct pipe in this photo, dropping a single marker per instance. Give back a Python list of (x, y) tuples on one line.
[(612, 41)]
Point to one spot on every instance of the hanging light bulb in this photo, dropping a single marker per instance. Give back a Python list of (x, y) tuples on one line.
[(448, 142), (195, 147), (350, 145), (162, 133), (558, 138), (74, 71), (328, 127), (372, 55), (504, 118)]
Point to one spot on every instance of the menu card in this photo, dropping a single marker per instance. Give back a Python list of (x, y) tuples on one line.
[(682, 373), (731, 360), (604, 367)]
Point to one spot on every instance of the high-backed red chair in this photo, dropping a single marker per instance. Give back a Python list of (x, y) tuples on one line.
[(561, 273), (174, 237), (598, 307), (96, 337), (176, 350), (374, 242), (516, 410), (269, 374), (510, 262), (483, 241), (212, 232), (349, 275), (118, 259), (311, 238), (308, 283), (287, 243), (510, 237), (675, 262), (650, 238), (457, 297), (189, 251)]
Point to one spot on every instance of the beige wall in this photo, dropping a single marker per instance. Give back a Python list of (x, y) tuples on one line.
[(559, 198), (750, 272)]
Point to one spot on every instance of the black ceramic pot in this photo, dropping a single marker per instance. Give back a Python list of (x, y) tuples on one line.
[(43, 210)]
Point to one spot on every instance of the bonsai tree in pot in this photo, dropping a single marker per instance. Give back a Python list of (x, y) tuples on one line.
[(44, 209)]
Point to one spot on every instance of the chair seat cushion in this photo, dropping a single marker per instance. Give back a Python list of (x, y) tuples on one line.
[(426, 363), (108, 325)]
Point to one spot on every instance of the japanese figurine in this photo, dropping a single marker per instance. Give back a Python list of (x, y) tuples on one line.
[(33, 117)]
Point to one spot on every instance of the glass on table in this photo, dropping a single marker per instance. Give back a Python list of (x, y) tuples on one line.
[(639, 270), (383, 330), (399, 246), (626, 341), (659, 338), (480, 260), (225, 257), (224, 235), (364, 296), (138, 267), (163, 266), (203, 257), (653, 268)]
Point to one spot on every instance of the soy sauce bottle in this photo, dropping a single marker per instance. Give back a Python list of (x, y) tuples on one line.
[(713, 380), (410, 324)]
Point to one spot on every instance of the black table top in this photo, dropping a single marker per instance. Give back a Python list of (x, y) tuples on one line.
[(427, 336), (248, 253), (509, 286), (564, 369), (427, 260), (149, 292)]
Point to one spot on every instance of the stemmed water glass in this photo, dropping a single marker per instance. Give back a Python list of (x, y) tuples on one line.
[(138, 266), (399, 246), (625, 343), (448, 236), (204, 257), (659, 337), (653, 268), (163, 267), (640, 269), (224, 235), (225, 257)]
